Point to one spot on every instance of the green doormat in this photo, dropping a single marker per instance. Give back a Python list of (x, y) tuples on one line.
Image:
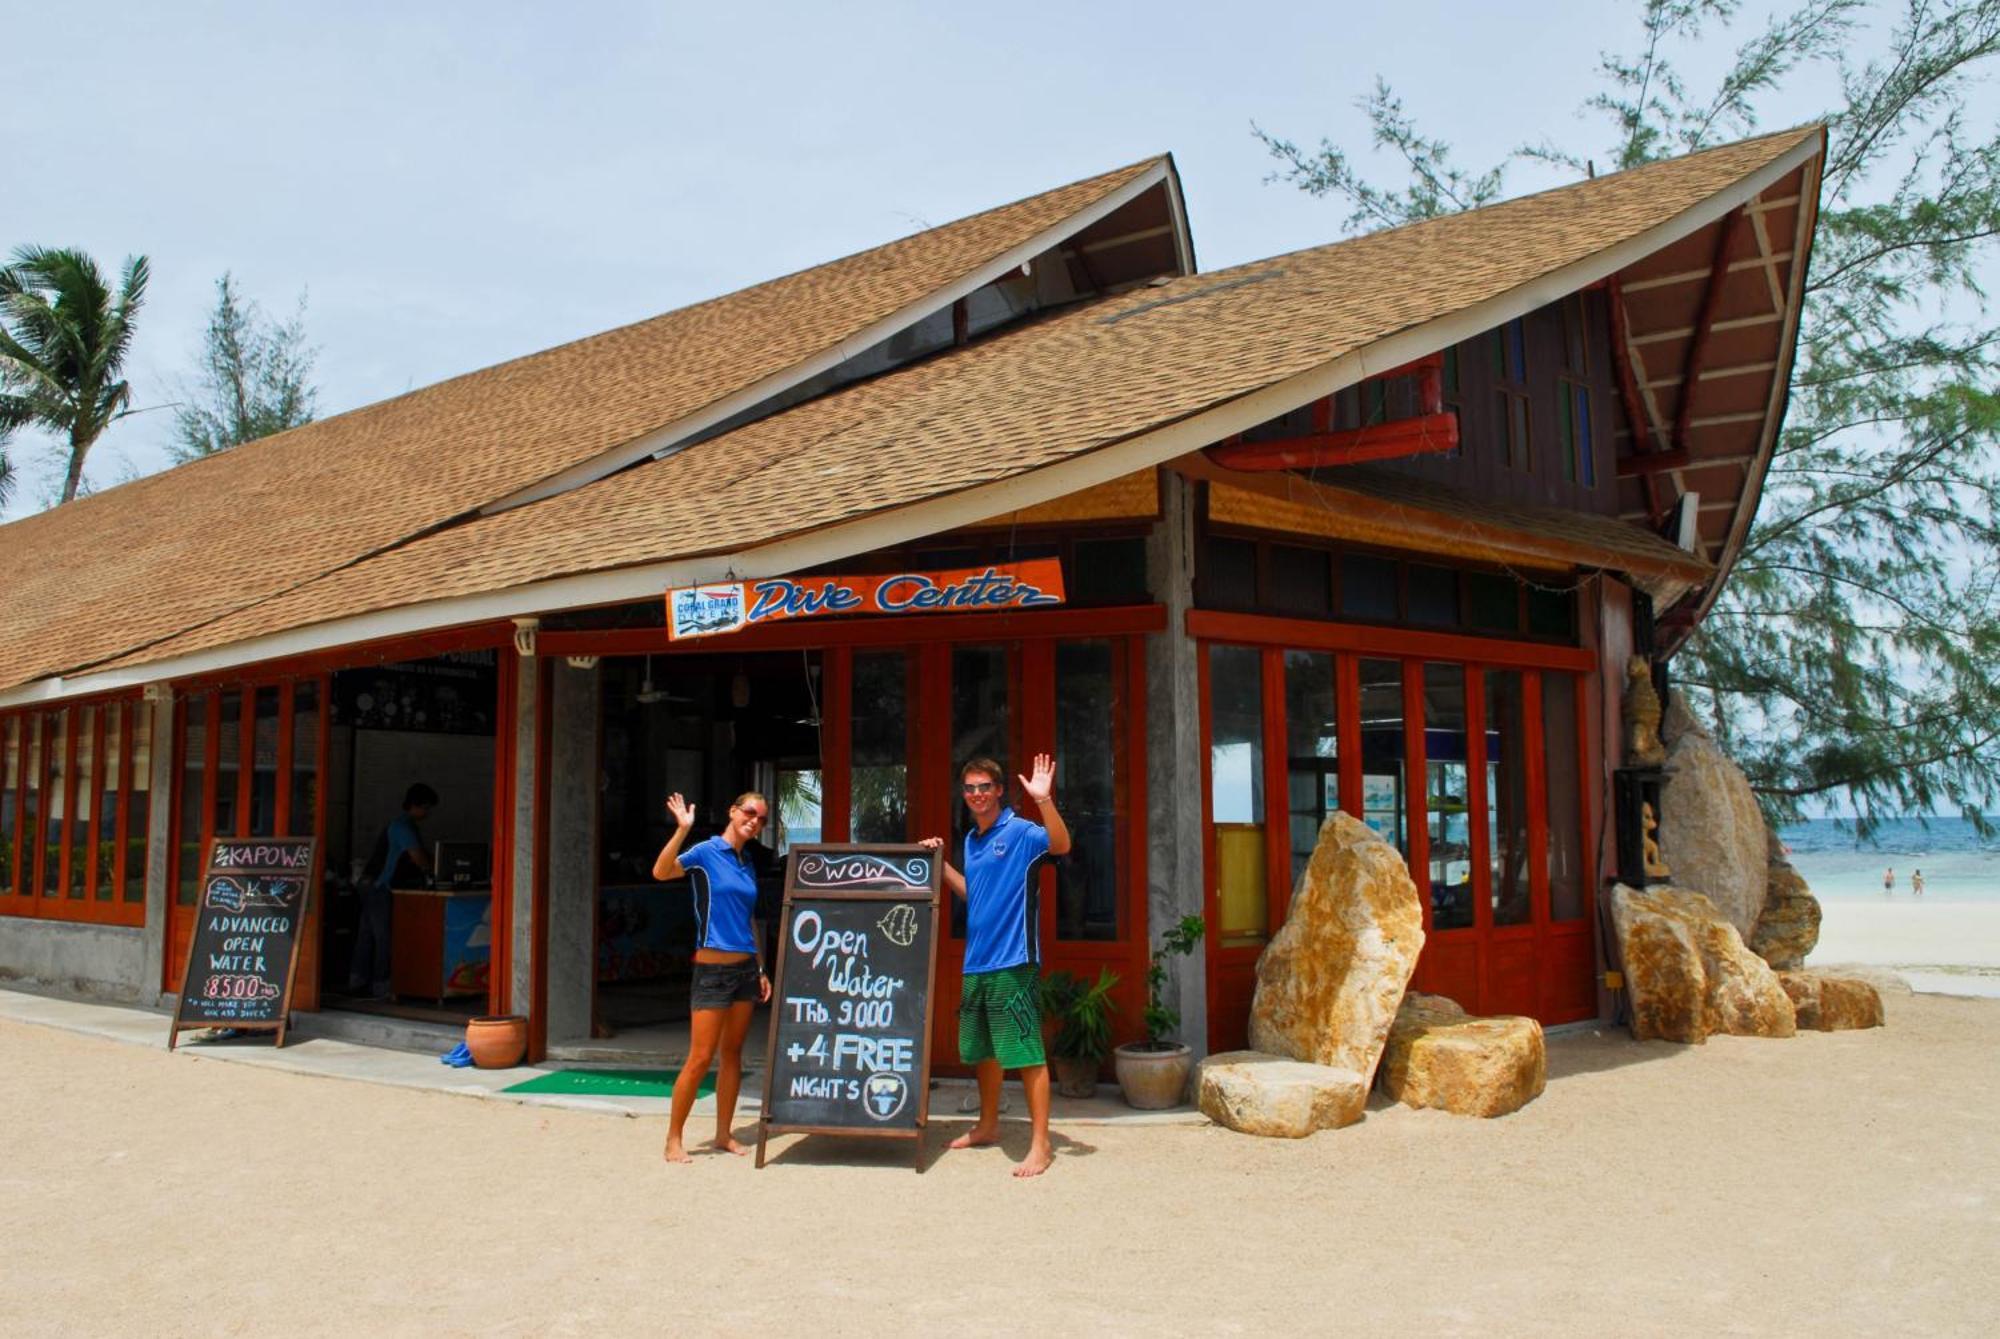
[(608, 1083)]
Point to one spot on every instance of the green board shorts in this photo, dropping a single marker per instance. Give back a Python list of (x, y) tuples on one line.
[(1000, 1018)]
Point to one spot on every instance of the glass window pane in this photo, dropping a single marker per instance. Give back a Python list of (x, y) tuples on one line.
[(1228, 578), (798, 808), (1447, 796), (1433, 595), (10, 800), (1088, 711), (106, 833), (878, 786), (1367, 587), (1382, 800), (1559, 762), (31, 799), (228, 757), (1506, 798), (1566, 430), (1551, 613), (1301, 579), (1109, 571), (55, 733), (1584, 445), (83, 801), (980, 728), (304, 781), (264, 765), (1236, 791), (1312, 757), (1492, 602), (194, 761), (139, 801)]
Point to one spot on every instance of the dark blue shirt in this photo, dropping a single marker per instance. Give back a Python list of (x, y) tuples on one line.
[(725, 893), (1002, 893)]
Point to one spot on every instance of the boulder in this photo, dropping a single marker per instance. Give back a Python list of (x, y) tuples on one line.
[(1826, 1002), (1712, 834), (1440, 1056), (1687, 972), (1329, 981), (1269, 1095), (1788, 927)]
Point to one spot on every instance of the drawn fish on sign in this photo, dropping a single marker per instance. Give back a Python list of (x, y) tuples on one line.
[(245, 894)]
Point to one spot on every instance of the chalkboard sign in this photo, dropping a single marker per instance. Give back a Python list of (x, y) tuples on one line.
[(851, 1010), (245, 946)]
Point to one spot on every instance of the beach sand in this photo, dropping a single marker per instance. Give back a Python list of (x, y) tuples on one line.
[(1834, 1184), (1942, 946)]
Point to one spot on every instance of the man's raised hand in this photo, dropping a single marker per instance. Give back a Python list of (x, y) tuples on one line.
[(1043, 783)]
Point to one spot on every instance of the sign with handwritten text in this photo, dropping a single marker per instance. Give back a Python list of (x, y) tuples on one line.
[(708, 611), (850, 1009), (244, 950)]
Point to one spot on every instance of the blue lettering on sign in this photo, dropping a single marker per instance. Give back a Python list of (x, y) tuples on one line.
[(780, 598), (987, 590)]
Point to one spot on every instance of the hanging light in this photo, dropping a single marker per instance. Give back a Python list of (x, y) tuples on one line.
[(739, 691)]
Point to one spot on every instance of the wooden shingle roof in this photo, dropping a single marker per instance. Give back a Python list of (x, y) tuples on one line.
[(1039, 410)]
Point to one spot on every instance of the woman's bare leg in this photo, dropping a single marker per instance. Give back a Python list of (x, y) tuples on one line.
[(729, 1078), (704, 1030)]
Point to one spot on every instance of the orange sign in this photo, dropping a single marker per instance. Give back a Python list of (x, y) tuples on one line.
[(709, 611)]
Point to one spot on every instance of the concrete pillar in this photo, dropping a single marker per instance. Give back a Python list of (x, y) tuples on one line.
[(521, 877), (159, 843), (572, 939), (1173, 758)]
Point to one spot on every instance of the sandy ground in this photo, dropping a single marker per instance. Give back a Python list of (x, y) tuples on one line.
[(1907, 931), (1841, 1184)]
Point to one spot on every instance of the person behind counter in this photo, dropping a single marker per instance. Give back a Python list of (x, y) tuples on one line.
[(729, 980), (401, 841)]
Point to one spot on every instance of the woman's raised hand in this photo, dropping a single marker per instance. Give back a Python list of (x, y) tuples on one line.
[(682, 811)]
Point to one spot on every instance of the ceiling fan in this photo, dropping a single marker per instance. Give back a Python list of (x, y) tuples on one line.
[(648, 695)]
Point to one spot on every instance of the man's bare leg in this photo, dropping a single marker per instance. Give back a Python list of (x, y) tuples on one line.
[(1035, 1082), (987, 1131)]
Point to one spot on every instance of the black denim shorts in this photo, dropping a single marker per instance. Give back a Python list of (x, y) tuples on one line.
[(717, 985)]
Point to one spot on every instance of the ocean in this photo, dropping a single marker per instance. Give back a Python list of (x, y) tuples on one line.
[(1957, 864)]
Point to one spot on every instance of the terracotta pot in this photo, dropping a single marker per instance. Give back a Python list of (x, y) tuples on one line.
[(1076, 1076), (497, 1041), (1152, 1079)]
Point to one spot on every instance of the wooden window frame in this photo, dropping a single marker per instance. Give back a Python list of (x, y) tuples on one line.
[(38, 892)]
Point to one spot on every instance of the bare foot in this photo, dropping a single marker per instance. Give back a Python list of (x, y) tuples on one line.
[(1039, 1159), (729, 1144), (675, 1153), (976, 1137)]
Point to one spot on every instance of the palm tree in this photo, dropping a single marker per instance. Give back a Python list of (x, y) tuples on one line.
[(62, 345)]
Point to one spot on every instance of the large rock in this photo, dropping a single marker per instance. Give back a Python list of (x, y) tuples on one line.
[(1329, 981), (1440, 1056), (1279, 1098), (1687, 972), (1827, 1002), (1712, 834), (1788, 927)]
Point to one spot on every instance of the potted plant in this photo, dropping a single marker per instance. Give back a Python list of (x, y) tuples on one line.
[(1080, 1016), (1153, 1073)]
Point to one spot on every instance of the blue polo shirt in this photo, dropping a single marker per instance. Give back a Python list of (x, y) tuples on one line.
[(399, 840), (725, 893), (1002, 893)]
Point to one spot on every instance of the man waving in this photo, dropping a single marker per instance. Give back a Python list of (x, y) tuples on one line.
[(999, 1020)]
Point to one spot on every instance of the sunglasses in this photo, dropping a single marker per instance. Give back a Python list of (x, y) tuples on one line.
[(754, 815), (979, 787)]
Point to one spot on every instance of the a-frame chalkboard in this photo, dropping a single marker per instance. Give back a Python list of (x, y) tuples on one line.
[(850, 1049), (244, 951)]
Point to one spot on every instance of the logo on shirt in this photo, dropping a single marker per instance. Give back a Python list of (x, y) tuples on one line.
[(999, 848)]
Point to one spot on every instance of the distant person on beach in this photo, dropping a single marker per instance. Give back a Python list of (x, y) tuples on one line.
[(1888, 880), (999, 1021), (1917, 883)]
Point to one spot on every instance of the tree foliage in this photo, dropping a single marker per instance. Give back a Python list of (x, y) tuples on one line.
[(63, 342), (1854, 651), (254, 379)]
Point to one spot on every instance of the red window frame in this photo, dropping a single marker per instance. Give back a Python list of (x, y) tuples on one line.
[(35, 890)]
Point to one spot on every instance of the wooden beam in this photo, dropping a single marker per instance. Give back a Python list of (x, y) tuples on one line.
[(1430, 433), (1689, 276), (1704, 325), (1682, 332), (1644, 432)]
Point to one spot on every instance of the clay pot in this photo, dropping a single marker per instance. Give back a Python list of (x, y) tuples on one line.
[(1075, 1076), (497, 1041), (1153, 1079)]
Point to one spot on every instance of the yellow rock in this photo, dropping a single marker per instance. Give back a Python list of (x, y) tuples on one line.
[(1329, 981), (1788, 927), (1828, 1003), (1440, 1056), (1687, 972), (1269, 1095)]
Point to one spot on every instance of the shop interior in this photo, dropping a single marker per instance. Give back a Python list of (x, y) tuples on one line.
[(709, 727), (429, 722)]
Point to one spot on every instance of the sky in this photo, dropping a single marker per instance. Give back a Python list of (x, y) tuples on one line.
[(452, 185)]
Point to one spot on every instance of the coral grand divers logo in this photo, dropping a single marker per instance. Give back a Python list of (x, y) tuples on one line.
[(703, 611)]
